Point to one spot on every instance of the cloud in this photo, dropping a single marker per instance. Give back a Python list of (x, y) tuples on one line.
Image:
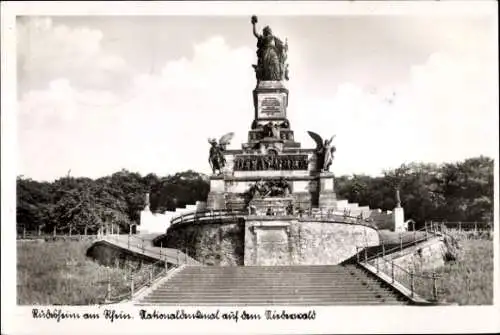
[(446, 111), (161, 125), (47, 51)]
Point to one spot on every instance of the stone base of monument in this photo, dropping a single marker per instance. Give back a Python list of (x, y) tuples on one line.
[(286, 240), (216, 201), (270, 206), (327, 200), (326, 197)]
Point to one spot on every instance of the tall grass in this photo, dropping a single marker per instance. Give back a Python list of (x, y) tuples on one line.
[(59, 273), (469, 279)]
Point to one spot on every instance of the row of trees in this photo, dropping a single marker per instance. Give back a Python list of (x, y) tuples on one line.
[(84, 204), (460, 191)]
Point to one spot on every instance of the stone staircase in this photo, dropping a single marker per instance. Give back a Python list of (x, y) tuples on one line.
[(272, 285)]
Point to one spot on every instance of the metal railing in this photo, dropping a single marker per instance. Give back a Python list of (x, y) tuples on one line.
[(462, 230), (421, 284), (207, 216), (309, 214), (42, 232), (25, 234), (136, 280), (139, 244), (144, 275)]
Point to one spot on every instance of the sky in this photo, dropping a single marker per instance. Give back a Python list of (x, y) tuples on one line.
[(98, 94)]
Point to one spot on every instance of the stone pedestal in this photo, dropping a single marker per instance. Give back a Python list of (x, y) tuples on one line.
[(398, 216), (270, 100), (267, 242), (216, 201), (326, 197)]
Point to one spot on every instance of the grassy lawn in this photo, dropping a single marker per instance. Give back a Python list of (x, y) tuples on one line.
[(469, 279), (59, 273)]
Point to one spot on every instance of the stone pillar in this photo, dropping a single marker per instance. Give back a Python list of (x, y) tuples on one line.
[(327, 196), (398, 217), (398, 199), (215, 199), (146, 208)]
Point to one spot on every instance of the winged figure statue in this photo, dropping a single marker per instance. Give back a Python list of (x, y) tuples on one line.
[(216, 157), (324, 151)]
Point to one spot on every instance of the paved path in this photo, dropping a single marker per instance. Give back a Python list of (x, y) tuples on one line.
[(144, 246)]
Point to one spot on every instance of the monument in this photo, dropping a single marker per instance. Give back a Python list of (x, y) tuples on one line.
[(271, 174), (272, 202)]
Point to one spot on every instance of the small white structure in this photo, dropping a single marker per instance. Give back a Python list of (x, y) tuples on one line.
[(399, 216), (159, 222), (399, 220)]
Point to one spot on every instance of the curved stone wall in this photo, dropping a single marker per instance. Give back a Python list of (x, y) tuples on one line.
[(296, 242), (270, 241), (209, 243)]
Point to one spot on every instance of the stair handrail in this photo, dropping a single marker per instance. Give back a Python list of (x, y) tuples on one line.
[(381, 256), (434, 277), (186, 259), (144, 276), (402, 245)]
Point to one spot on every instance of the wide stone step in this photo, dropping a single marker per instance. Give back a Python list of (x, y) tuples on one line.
[(303, 288), (274, 301), (260, 269), (210, 269), (263, 277), (280, 303), (257, 272), (330, 297), (229, 286), (201, 277), (264, 296), (271, 292), (267, 276), (296, 283), (226, 283)]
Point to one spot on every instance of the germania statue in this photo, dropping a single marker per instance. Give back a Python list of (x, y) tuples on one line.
[(271, 55)]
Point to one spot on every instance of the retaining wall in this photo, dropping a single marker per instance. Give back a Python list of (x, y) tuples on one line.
[(270, 241)]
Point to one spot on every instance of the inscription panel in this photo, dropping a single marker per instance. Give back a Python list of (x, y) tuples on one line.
[(272, 246), (271, 105), (270, 162)]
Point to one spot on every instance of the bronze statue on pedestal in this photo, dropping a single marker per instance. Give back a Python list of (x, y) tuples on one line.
[(324, 151), (271, 55), (216, 157)]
